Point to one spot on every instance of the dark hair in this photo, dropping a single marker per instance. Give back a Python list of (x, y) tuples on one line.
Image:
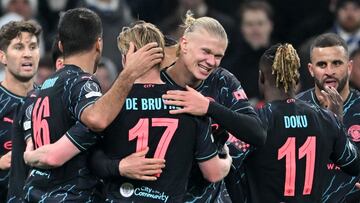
[(328, 40), (284, 62), (256, 5), (55, 52), (79, 29), (354, 53), (14, 29), (341, 3), (46, 63)]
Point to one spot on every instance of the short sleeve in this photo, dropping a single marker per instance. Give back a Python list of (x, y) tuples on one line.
[(84, 92), (205, 146)]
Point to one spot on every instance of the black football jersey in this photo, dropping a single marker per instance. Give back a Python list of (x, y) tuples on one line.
[(56, 112), (145, 121), (223, 87), (21, 128), (340, 184), (8, 105), (301, 138)]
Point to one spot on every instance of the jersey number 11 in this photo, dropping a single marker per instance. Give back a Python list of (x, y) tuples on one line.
[(288, 150)]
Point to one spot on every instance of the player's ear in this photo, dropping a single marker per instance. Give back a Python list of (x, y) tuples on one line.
[(3, 57), (61, 47), (183, 44), (311, 69), (261, 77)]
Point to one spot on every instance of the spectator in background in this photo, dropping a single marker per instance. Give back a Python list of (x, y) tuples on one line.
[(355, 73), (170, 26), (16, 10), (106, 73), (49, 13), (346, 25), (114, 15), (256, 26)]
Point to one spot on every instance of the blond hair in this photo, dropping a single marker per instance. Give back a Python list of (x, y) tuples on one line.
[(140, 33), (285, 63)]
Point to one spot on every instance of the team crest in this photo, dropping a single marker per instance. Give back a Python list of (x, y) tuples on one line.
[(354, 132)]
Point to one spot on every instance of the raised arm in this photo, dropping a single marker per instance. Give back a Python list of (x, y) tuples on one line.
[(101, 113)]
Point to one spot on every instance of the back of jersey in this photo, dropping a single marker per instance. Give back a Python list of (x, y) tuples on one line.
[(290, 167), (57, 107), (145, 121)]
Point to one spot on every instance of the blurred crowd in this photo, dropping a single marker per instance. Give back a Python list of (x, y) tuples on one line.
[(252, 27)]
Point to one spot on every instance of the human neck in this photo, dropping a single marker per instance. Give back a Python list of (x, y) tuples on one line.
[(85, 61), (273, 94), (181, 76), (17, 87), (150, 77)]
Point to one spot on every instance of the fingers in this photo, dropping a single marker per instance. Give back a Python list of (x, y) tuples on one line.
[(175, 92), (131, 48), (153, 161), (141, 153), (190, 88), (178, 111), (174, 103), (147, 178), (149, 46)]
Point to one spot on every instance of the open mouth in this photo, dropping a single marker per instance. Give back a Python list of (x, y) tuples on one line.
[(330, 82), (205, 68), (27, 65)]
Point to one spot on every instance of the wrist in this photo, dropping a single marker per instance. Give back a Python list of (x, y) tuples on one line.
[(128, 75)]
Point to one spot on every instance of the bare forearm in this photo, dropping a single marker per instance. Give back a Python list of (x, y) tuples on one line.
[(38, 158), (99, 115), (52, 155)]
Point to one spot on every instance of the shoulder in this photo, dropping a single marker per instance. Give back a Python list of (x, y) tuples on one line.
[(305, 94)]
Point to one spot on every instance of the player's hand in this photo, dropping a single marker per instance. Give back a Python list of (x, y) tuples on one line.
[(29, 145), (228, 158), (191, 101), (138, 62), (332, 100), (136, 166), (5, 161), (357, 185), (227, 151)]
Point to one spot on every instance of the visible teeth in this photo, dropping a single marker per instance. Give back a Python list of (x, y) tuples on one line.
[(203, 67)]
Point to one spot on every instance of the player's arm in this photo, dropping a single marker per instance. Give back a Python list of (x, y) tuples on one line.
[(216, 169), (50, 155), (211, 165), (246, 127), (5, 161), (78, 138), (102, 112), (134, 166)]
